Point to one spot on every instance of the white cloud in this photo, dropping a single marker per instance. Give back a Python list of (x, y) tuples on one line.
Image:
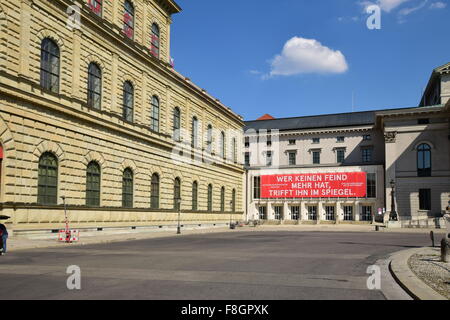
[(438, 5), (302, 55), (385, 5), (408, 11)]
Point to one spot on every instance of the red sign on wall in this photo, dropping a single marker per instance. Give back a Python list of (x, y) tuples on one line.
[(314, 185)]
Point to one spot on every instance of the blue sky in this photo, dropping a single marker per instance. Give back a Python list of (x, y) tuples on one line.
[(324, 53)]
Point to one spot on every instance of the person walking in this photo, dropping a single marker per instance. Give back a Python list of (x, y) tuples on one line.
[(4, 235)]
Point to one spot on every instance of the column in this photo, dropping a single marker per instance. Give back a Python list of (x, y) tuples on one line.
[(286, 213), (339, 212), (270, 213), (303, 211), (357, 210)]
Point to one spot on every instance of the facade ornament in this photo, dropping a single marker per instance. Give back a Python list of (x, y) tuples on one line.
[(390, 137)]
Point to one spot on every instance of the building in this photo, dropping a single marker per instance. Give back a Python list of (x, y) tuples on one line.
[(405, 149), (92, 110)]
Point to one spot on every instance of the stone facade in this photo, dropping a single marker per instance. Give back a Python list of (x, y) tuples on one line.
[(34, 120)]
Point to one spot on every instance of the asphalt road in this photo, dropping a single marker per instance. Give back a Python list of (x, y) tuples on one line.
[(234, 265)]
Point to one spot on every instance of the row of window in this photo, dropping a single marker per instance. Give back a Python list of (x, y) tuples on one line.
[(50, 81), (366, 156), (330, 213), (48, 187), (339, 139), (128, 23)]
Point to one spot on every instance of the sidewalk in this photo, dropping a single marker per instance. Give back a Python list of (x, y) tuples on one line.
[(21, 243), (420, 273)]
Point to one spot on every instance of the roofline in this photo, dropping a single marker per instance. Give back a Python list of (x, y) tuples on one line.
[(171, 5)]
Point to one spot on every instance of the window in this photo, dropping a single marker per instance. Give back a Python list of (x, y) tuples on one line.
[(340, 139), (210, 195), (312, 212), (177, 194), (330, 213), (247, 159), (295, 212), (154, 49), (423, 121), (222, 199), (209, 139), (176, 124), (233, 201), (50, 65), (262, 213), (93, 184), (371, 185), (278, 210), (316, 157), (195, 195), (128, 101), (194, 133), (366, 213), (269, 158), (256, 187), (128, 20), (366, 154), (96, 6), (424, 160), (292, 158), (48, 179), (425, 199), (154, 197), (348, 213), (340, 155), (269, 141), (222, 145), (367, 137), (247, 142), (292, 142), (127, 188), (316, 140), (154, 118), (94, 98)]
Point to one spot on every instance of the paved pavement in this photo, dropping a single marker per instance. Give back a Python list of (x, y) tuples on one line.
[(230, 265)]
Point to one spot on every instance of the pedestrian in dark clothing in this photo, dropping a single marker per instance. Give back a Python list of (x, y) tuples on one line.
[(4, 235)]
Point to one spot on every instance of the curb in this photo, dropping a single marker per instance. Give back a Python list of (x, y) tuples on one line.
[(414, 286)]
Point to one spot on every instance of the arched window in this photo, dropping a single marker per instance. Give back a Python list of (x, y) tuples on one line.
[(154, 203), (210, 197), (194, 138), (154, 125), (209, 139), (50, 65), (194, 195), (127, 188), (222, 199), (176, 124), (424, 160), (222, 144), (128, 101), (233, 201), (48, 179), (177, 193), (94, 86), (155, 40), (128, 19), (96, 6), (93, 184)]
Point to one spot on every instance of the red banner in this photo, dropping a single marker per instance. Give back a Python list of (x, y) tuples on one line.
[(314, 185)]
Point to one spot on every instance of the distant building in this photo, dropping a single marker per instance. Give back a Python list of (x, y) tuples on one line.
[(408, 147)]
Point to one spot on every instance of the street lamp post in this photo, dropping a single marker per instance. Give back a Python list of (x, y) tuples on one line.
[(393, 215), (179, 215), (231, 212)]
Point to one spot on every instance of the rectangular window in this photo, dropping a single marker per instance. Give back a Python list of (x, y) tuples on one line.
[(262, 213), (366, 155), (330, 213), (340, 155), (247, 159), (316, 157), (340, 139), (269, 158), (278, 210), (295, 212), (247, 142), (316, 140), (348, 213), (256, 187), (292, 158), (366, 213), (371, 185), (423, 121), (312, 212), (425, 199), (292, 142), (367, 137)]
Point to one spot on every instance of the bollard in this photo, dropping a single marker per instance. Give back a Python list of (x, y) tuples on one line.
[(445, 250), (432, 238)]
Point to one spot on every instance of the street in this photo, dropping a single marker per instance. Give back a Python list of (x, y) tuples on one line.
[(281, 265)]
